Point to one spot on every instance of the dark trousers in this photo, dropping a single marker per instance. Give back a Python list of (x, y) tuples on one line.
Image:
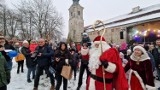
[(74, 68), (20, 65), (82, 69), (38, 74), (158, 73), (59, 82), (3, 88), (31, 70)]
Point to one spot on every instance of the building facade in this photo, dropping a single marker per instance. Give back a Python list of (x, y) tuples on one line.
[(140, 25)]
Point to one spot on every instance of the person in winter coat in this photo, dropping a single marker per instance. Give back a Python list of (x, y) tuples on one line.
[(20, 58), (61, 57), (141, 75), (156, 55), (85, 39), (31, 66), (129, 52), (123, 48), (146, 47), (74, 61), (6, 46), (84, 64), (2, 50), (43, 60), (4, 73), (106, 68), (33, 46), (78, 47), (73, 46)]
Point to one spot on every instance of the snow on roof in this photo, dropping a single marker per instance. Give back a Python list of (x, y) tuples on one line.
[(152, 16), (143, 11), (130, 15), (148, 17)]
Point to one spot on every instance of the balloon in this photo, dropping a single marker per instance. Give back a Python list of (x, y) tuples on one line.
[(12, 54)]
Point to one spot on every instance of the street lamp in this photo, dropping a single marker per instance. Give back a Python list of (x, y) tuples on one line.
[(144, 35)]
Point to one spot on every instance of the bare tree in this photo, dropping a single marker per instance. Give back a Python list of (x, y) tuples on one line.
[(41, 17), (8, 21), (33, 18)]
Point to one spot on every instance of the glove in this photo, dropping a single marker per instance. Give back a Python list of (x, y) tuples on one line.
[(8, 81), (104, 63)]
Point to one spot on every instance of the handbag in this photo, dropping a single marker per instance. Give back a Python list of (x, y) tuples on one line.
[(66, 72), (20, 57)]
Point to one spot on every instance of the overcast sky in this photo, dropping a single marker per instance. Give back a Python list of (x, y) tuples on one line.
[(96, 9)]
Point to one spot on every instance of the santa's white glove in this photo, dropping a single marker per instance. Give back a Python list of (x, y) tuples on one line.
[(66, 60)]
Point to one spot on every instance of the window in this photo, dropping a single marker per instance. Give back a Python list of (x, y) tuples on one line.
[(112, 30), (79, 12), (74, 33), (71, 13)]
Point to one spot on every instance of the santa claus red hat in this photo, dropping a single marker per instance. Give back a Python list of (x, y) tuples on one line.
[(98, 39)]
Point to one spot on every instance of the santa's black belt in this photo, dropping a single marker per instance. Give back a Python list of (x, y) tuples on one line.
[(101, 79)]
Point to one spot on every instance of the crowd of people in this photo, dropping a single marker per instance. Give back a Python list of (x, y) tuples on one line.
[(108, 66)]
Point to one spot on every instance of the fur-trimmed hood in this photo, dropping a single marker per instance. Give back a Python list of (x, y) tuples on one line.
[(143, 57)]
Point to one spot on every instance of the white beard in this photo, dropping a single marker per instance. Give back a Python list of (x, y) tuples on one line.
[(94, 54), (94, 61)]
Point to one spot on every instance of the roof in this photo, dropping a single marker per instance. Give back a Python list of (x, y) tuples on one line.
[(148, 13)]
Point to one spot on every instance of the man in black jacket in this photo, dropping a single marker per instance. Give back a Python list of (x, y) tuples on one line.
[(156, 55), (44, 54)]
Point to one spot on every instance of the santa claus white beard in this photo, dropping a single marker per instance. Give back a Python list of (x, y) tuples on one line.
[(94, 54), (94, 61)]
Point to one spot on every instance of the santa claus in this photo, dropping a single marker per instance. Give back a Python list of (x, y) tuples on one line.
[(110, 60)]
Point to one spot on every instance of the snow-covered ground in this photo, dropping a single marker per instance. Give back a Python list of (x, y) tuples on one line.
[(19, 81)]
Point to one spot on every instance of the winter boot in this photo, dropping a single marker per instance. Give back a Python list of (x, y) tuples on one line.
[(35, 88), (22, 71), (78, 88), (29, 80), (18, 71), (52, 87), (33, 77), (74, 77)]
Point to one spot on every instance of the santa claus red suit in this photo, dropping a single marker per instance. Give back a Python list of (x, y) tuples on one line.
[(114, 73), (141, 75)]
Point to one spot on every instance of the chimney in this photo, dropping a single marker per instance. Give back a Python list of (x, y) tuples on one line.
[(136, 9)]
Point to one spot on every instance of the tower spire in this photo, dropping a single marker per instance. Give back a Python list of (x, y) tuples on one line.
[(75, 1)]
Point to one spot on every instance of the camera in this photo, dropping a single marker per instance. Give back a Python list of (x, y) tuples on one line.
[(34, 55)]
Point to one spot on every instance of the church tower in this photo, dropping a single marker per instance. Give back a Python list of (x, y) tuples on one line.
[(76, 22)]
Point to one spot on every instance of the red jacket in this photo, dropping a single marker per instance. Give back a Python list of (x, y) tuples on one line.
[(32, 47)]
